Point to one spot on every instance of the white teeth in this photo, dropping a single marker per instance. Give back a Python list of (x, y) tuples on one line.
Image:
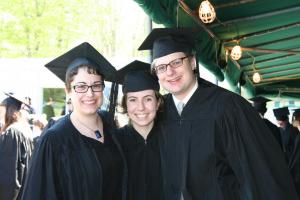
[(141, 115), (173, 80), (88, 102)]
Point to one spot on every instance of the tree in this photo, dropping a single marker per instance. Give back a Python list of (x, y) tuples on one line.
[(43, 28)]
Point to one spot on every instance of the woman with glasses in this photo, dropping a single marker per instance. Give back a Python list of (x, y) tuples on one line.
[(79, 157), (141, 102)]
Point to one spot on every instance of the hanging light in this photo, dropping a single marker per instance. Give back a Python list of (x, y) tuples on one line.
[(236, 52), (256, 77), (207, 12)]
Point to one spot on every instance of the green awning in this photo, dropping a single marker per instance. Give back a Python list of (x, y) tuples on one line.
[(267, 30)]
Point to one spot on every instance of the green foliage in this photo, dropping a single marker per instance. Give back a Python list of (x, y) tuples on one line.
[(47, 28), (57, 95)]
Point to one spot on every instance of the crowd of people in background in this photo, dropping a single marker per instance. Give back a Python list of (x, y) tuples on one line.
[(199, 141), (20, 128)]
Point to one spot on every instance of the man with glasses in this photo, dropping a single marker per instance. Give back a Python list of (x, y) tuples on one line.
[(214, 145)]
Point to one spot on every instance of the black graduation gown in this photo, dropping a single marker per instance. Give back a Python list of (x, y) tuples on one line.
[(15, 154), (294, 164), (143, 161), (274, 130), (288, 136), (220, 149), (66, 166)]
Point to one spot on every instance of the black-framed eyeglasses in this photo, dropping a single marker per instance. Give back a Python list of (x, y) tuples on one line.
[(83, 88), (173, 64)]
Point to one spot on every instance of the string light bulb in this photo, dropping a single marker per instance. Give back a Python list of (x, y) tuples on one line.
[(207, 13), (236, 52), (256, 77)]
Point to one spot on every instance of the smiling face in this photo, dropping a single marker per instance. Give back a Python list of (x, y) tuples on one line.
[(86, 103), (180, 80), (141, 108)]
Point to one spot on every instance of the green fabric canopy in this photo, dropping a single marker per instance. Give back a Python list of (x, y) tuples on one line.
[(267, 30)]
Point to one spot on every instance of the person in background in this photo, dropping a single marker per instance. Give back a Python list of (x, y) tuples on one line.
[(79, 157), (38, 124), (214, 144), (294, 163), (68, 106), (28, 106), (48, 109), (287, 131), (15, 148), (296, 119), (2, 116), (260, 105), (141, 101)]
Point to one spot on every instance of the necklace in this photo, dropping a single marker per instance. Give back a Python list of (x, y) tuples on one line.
[(96, 132)]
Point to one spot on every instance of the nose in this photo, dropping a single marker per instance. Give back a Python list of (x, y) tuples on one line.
[(170, 71), (140, 105), (89, 92)]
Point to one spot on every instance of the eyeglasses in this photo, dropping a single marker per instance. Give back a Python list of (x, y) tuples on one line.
[(84, 88), (173, 64)]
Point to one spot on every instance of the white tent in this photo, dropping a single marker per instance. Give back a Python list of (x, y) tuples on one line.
[(27, 77)]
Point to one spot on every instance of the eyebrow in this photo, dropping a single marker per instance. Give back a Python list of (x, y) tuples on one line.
[(86, 83), (149, 95)]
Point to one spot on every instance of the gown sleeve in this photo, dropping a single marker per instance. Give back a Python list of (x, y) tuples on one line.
[(15, 153), (42, 181), (253, 154)]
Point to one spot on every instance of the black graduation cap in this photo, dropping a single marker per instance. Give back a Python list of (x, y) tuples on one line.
[(80, 55), (296, 112), (136, 76), (133, 66), (260, 103), (13, 99), (281, 113), (164, 41), (260, 99)]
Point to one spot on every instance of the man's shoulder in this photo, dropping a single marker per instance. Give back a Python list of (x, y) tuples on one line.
[(221, 93)]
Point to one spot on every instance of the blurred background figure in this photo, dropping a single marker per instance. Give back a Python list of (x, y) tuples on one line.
[(287, 131), (294, 163), (68, 107), (28, 106), (48, 109), (260, 105), (2, 116), (15, 147), (38, 124), (296, 119)]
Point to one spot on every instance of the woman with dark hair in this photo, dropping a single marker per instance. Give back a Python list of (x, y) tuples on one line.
[(79, 157), (140, 138), (15, 148)]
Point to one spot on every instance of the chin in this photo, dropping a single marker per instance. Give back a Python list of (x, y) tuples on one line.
[(89, 111), (142, 124)]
